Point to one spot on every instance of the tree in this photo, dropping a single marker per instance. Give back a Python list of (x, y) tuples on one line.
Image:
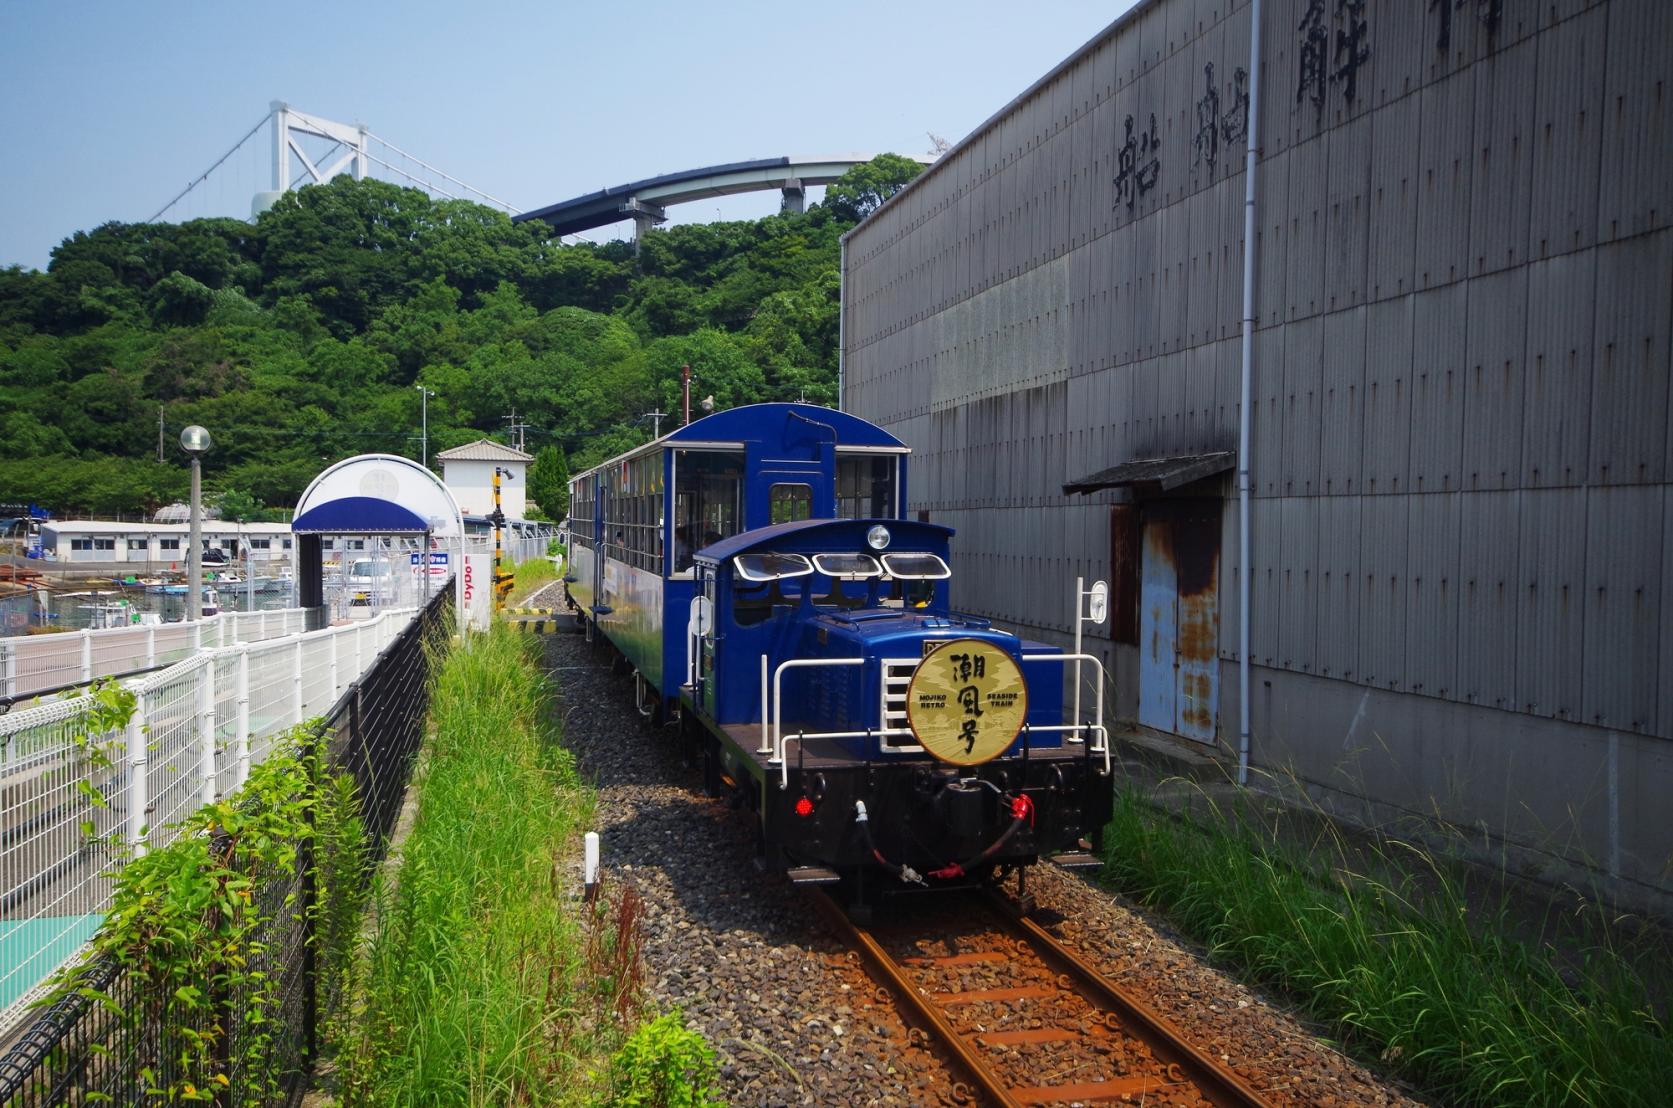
[(859, 192), (549, 482)]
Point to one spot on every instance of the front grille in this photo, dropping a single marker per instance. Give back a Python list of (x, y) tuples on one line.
[(897, 675)]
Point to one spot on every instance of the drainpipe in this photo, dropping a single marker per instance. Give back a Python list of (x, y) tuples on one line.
[(842, 317), (1250, 160)]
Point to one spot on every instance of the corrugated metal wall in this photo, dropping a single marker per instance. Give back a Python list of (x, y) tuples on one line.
[(1461, 447)]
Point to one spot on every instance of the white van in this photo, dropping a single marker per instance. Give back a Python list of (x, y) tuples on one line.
[(368, 582)]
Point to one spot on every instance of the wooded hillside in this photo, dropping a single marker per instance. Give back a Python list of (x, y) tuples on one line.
[(299, 339)]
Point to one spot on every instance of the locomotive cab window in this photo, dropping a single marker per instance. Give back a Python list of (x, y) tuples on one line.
[(767, 585), (851, 579), (757, 568), (916, 567), (851, 567), (913, 577)]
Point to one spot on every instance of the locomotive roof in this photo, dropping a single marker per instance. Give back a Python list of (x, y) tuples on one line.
[(774, 535), (754, 422)]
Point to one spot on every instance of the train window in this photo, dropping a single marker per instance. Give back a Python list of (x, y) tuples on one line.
[(916, 567), (633, 512), (865, 487), (849, 567), (771, 566), (708, 500), (790, 502)]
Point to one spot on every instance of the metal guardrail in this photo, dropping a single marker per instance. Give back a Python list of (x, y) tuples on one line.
[(197, 727), (77, 1051)]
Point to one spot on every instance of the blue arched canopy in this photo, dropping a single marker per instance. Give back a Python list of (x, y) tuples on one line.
[(359, 515)]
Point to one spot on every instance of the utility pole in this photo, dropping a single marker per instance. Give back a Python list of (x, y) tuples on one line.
[(516, 429), (159, 433), (424, 435), (685, 392), (656, 419)]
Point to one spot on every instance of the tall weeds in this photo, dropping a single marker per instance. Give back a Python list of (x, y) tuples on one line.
[(1391, 947), (473, 989)]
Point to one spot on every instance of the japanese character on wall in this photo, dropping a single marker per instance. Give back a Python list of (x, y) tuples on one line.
[(1315, 46), (1215, 126), (1352, 49), (1315, 55), (1490, 12), (1137, 166)]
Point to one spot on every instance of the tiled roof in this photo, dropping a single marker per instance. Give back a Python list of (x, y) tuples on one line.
[(483, 450)]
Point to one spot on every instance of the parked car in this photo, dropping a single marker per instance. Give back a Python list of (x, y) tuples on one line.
[(365, 578)]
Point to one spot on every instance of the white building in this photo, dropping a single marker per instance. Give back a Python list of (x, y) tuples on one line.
[(157, 545), (468, 471)]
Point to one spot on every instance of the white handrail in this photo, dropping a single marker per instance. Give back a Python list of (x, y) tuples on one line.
[(1100, 734), (778, 696), (1101, 744)]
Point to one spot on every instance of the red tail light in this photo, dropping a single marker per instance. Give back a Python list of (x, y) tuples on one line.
[(804, 807)]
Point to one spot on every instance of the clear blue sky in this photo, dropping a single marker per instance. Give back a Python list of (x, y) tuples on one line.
[(114, 107)]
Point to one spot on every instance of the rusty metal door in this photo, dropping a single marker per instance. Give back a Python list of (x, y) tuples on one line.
[(1179, 619), (1158, 627)]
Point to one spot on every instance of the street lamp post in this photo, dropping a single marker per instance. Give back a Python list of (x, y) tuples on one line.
[(424, 396), (195, 441)]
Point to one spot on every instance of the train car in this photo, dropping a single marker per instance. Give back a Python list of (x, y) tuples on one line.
[(757, 571)]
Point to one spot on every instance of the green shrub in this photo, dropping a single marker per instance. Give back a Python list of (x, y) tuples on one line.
[(664, 1064), (193, 924)]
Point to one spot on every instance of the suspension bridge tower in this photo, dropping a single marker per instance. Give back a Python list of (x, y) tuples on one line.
[(348, 152)]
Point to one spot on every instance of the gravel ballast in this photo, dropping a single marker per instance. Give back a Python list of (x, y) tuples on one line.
[(792, 1017)]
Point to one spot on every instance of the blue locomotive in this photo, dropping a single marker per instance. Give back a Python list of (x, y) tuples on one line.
[(757, 571)]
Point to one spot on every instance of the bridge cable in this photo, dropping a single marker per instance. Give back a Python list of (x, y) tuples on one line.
[(441, 173), (205, 174)]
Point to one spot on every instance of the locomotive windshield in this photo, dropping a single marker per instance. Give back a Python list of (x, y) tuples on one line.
[(851, 567), (916, 567), (771, 566)]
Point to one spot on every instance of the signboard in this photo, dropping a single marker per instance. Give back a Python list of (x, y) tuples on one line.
[(967, 702), (478, 589), (440, 570)]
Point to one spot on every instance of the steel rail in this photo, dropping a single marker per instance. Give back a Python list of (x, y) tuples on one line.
[(1182, 1062), (1169, 1044), (886, 968)]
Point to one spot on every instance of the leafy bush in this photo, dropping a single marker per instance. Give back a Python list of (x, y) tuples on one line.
[(196, 924), (664, 1064)]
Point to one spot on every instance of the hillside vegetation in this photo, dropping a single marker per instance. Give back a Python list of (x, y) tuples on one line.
[(299, 339)]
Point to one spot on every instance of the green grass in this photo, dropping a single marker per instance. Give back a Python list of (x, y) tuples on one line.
[(1393, 949), (531, 575), (477, 987)]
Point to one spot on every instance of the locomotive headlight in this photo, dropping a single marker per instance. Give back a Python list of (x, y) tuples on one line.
[(878, 537)]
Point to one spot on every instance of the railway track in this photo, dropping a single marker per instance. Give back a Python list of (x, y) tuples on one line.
[(1024, 1017)]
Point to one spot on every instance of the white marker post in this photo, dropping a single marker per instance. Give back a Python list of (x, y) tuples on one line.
[(1091, 606), (589, 865)]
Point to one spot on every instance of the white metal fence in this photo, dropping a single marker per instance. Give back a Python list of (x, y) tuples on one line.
[(68, 818), (30, 663)]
